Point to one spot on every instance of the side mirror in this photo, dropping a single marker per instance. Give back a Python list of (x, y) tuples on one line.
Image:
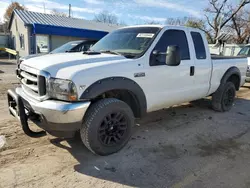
[(156, 52), (173, 57)]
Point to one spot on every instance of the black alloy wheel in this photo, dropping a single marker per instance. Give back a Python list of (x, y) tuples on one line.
[(113, 128)]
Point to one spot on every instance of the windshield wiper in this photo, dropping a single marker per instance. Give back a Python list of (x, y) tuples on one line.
[(111, 52), (130, 55), (91, 52), (68, 51)]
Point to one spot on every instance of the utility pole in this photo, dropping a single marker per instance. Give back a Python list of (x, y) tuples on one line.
[(44, 7), (69, 10)]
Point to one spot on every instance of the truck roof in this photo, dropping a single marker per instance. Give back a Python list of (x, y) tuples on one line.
[(163, 26)]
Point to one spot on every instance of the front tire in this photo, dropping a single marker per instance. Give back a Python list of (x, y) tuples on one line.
[(107, 126), (223, 98)]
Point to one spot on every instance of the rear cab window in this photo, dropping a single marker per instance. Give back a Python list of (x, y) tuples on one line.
[(199, 46)]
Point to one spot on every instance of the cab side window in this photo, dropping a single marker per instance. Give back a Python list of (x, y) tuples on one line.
[(169, 38), (199, 46)]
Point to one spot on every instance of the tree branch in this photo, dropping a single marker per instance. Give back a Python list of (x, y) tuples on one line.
[(213, 3), (218, 14), (209, 23), (243, 3), (237, 29)]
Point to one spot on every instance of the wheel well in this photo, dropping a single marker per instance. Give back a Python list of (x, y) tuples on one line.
[(125, 96), (235, 80)]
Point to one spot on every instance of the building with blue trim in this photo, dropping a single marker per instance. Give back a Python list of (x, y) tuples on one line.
[(32, 30)]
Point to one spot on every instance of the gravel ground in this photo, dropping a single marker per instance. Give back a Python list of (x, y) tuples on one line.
[(188, 145)]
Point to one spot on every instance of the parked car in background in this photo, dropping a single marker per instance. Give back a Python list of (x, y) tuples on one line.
[(246, 52), (44, 49), (73, 46)]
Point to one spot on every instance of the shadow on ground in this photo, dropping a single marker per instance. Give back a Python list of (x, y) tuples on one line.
[(7, 63), (167, 146)]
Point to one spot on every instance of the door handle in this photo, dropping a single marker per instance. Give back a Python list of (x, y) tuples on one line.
[(192, 68)]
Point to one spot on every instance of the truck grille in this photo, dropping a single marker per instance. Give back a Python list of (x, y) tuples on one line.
[(33, 84)]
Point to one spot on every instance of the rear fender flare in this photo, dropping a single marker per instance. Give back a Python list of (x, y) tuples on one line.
[(231, 71)]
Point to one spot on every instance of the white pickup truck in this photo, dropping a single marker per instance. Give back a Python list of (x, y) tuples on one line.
[(131, 71)]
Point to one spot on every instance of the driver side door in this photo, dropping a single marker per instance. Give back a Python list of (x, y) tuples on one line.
[(170, 85)]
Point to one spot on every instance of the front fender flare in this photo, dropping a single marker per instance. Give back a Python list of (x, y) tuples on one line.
[(117, 83)]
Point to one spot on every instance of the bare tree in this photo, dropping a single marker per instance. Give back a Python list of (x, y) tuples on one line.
[(177, 21), (218, 14), (58, 13), (4, 27), (191, 22), (106, 17), (152, 22), (200, 24), (122, 23), (241, 26), (10, 9)]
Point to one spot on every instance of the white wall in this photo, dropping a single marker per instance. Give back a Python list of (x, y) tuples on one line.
[(17, 28), (229, 49), (57, 41)]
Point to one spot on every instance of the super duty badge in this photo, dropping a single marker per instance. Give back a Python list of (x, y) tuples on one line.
[(139, 74)]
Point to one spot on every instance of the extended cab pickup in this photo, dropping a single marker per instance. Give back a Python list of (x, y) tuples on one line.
[(131, 71)]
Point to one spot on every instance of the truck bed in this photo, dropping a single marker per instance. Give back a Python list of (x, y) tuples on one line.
[(223, 63)]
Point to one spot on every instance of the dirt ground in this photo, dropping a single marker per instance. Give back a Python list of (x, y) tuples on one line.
[(189, 145)]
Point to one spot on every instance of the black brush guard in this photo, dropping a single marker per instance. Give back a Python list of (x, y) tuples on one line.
[(17, 109)]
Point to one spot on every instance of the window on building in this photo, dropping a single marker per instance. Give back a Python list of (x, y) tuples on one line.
[(42, 44), (199, 45), (22, 41)]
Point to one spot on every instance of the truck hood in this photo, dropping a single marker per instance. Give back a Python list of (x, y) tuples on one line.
[(31, 56), (73, 62)]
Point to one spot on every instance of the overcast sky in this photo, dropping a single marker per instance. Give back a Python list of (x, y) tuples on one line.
[(128, 11)]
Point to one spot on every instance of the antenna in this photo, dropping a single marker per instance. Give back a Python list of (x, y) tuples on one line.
[(69, 10)]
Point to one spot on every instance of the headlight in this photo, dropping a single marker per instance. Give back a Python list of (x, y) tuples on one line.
[(62, 89), (248, 68)]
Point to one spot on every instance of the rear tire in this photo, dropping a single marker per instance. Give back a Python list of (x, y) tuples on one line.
[(107, 126), (223, 98)]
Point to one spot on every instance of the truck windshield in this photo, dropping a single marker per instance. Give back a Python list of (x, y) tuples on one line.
[(129, 42), (244, 51)]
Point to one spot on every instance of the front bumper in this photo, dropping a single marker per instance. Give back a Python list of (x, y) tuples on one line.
[(53, 116)]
